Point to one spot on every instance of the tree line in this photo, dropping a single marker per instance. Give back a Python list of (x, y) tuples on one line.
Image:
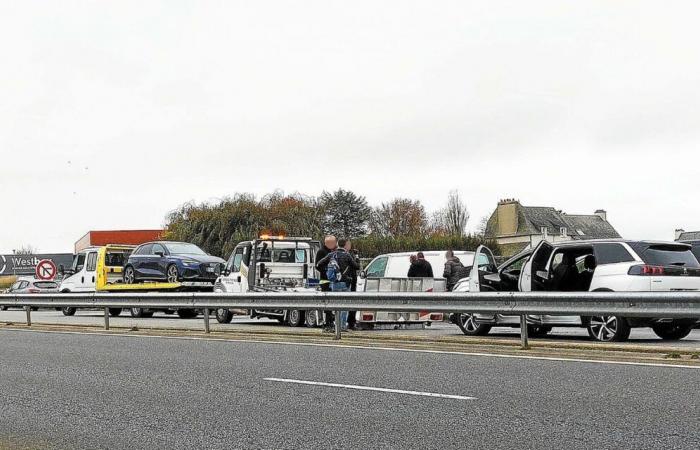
[(401, 224)]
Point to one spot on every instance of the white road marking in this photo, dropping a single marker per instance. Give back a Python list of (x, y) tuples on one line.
[(369, 388), (366, 347)]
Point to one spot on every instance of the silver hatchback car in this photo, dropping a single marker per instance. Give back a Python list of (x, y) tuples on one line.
[(32, 286)]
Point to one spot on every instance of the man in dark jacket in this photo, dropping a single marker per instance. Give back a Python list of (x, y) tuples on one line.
[(329, 246), (453, 269), (348, 265), (420, 268)]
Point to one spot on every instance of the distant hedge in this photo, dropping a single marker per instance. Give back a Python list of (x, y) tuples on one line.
[(371, 246)]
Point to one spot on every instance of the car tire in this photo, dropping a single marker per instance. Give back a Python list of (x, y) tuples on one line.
[(312, 319), (224, 315), (172, 275), (140, 313), (538, 331), (186, 313), (3, 308), (68, 311), (115, 312), (129, 276), (608, 328), (672, 331), (295, 318), (466, 323)]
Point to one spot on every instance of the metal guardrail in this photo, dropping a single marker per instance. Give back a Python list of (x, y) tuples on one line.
[(675, 304)]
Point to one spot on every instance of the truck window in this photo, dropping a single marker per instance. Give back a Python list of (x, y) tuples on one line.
[(91, 262), (79, 262), (377, 268), (236, 258)]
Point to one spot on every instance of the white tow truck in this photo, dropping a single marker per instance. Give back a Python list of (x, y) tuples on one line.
[(272, 264)]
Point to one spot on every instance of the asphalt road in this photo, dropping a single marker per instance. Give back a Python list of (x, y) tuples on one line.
[(92, 391), (639, 336)]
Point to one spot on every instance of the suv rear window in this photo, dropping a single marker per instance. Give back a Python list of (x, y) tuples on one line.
[(665, 254), (611, 254)]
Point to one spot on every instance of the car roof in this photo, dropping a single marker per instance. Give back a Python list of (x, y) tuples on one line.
[(426, 253), (612, 241)]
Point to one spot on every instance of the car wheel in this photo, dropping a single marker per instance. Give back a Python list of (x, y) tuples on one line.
[(129, 275), (671, 331), (140, 313), (187, 313), (68, 311), (4, 308), (538, 330), (224, 315), (114, 312), (172, 274), (608, 328), (467, 323), (312, 319), (295, 318)]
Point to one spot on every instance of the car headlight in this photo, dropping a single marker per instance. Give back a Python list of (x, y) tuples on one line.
[(190, 262)]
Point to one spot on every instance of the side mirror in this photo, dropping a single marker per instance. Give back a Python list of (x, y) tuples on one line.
[(363, 274), (160, 254)]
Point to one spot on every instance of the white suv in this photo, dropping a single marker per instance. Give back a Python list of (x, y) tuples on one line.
[(601, 265)]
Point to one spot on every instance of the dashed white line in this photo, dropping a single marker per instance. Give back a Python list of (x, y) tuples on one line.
[(370, 388)]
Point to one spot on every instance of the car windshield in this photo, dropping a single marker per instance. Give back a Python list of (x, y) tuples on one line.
[(180, 248), (669, 255)]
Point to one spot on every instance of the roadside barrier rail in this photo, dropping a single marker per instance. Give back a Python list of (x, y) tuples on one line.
[(673, 304)]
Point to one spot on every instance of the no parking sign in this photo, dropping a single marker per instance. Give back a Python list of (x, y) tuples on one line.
[(46, 270)]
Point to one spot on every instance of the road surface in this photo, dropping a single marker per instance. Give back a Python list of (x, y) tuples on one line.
[(94, 391)]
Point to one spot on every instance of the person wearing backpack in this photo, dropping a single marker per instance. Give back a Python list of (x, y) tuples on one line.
[(340, 267), (330, 243)]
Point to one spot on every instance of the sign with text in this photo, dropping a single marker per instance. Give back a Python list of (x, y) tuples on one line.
[(27, 264)]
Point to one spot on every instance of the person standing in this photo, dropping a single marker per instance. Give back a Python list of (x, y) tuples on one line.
[(453, 269), (420, 267), (330, 244), (340, 264), (352, 315)]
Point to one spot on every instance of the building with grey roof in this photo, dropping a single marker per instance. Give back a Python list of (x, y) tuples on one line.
[(686, 236), (516, 227)]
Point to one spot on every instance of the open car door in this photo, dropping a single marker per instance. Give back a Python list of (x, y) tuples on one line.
[(533, 276), (484, 264)]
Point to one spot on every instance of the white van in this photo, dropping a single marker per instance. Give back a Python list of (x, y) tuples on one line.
[(396, 265)]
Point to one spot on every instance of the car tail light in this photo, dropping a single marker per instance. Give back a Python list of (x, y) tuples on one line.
[(33, 291), (367, 317), (435, 317), (429, 290), (646, 270)]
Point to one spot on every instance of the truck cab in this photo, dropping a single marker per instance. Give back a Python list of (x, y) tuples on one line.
[(271, 264), (82, 275)]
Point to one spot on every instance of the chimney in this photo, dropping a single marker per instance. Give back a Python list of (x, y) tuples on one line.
[(602, 214), (679, 231)]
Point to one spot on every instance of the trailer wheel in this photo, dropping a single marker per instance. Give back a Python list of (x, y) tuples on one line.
[(114, 312), (295, 318), (187, 313), (68, 311), (224, 315)]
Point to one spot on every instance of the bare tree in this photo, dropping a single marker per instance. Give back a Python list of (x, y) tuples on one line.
[(25, 250), (453, 218)]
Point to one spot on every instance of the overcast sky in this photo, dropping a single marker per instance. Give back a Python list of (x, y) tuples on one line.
[(114, 113)]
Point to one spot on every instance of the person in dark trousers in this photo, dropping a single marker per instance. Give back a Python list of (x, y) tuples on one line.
[(329, 246), (352, 315), (420, 268), (453, 269), (347, 265)]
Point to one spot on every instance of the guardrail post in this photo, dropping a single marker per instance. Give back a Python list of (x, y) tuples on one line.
[(337, 326), (29, 315), (106, 318), (206, 320), (523, 333)]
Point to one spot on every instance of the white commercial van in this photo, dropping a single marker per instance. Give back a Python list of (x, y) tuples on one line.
[(396, 265)]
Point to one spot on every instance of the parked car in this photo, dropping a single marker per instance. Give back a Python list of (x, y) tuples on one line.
[(396, 265), (580, 266), (32, 286), (172, 262)]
